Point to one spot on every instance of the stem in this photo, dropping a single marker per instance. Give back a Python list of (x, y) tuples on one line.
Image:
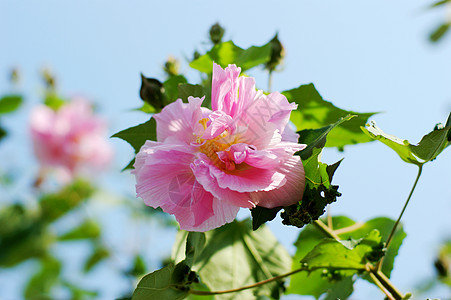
[(269, 80), (381, 286), (206, 293), (326, 230), (392, 233)]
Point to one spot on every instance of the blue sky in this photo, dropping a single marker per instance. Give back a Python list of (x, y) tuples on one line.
[(361, 55)]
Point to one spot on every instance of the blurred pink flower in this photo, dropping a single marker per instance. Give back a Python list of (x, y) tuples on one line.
[(207, 164), (71, 139)]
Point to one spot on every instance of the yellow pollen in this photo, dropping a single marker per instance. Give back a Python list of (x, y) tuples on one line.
[(203, 122)]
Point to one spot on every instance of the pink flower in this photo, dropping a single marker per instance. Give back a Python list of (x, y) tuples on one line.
[(71, 139), (207, 164)]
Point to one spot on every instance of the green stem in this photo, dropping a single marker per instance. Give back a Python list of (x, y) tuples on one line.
[(392, 233), (269, 80), (207, 293), (370, 269), (303, 268), (326, 229)]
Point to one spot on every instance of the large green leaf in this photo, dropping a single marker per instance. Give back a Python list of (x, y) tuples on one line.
[(314, 112), (161, 284), (430, 146), (10, 103), (347, 257), (235, 256), (315, 283), (136, 136), (228, 53), (384, 226)]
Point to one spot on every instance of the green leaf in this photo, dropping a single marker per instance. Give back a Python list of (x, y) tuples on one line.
[(384, 226), (136, 136), (40, 284), (78, 293), (147, 108), (194, 244), (87, 230), (319, 191), (161, 284), (228, 53), (139, 266), (55, 205), (235, 256), (53, 101), (430, 146), (98, 254), (333, 255), (314, 112), (10, 103), (22, 236), (316, 138), (439, 3), (171, 87), (195, 90), (439, 32), (261, 215), (315, 283)]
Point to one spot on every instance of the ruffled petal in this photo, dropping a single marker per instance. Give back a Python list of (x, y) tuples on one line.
[(180, 121), (201, 169), (291, 192)]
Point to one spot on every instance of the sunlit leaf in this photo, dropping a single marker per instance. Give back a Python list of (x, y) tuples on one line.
[(228, 53), (315, 283), (315, 112), (430, 146), (235, 256), (10, 103), (195, 90)]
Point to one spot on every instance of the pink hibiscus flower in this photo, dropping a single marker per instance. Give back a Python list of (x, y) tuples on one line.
[(71, 139), (206, 164)]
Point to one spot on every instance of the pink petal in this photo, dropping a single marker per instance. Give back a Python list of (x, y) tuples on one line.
[(180, 120), (201, 169), (164, 179), (245, 178), (290, 193)]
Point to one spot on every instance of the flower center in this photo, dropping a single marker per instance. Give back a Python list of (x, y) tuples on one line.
[(212, 146)]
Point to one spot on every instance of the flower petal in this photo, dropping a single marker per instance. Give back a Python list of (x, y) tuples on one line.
[(291, 192), (201, 169), (180, 121)]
